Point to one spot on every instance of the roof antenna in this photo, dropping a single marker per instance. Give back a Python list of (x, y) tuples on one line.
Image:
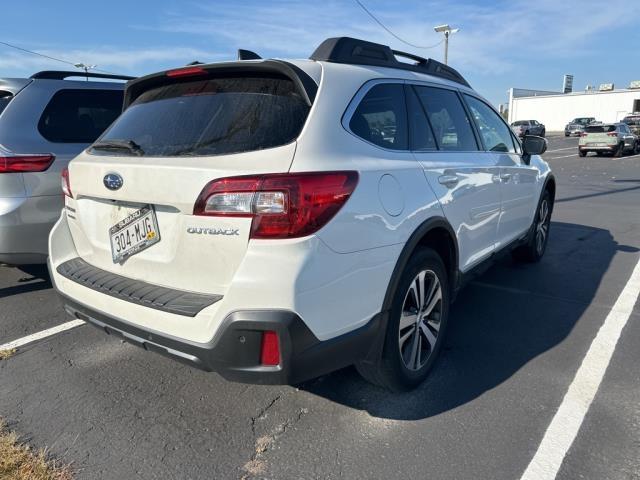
[(248, 55)]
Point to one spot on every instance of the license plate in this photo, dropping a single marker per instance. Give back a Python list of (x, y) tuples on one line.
[(134, 234)]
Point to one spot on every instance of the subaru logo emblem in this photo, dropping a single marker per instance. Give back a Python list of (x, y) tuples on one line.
[(112, 181)]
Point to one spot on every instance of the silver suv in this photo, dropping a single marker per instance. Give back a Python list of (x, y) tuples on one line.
[(45, 121)]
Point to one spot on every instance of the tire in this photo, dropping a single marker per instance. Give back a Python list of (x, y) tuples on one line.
[(566, 134), (636, 149), (536, 245), (582, 153), (620, 150), (414, 335), (599, 154)]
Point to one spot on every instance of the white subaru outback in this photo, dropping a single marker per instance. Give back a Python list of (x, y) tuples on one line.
[(275, 220)]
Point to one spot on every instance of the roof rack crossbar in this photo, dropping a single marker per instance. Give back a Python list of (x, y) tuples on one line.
[(61, 75), (360, 52)]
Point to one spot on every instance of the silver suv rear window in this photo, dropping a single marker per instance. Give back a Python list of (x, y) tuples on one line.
[(211, 116)]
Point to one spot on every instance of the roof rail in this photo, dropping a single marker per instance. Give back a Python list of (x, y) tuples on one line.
[(61, 75), (360, 52)]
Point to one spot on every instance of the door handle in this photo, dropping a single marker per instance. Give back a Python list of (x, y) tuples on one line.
[(449, 181), (505, 177)]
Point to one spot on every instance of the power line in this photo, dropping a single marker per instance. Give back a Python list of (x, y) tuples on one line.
[(393, 34), (73, 64)]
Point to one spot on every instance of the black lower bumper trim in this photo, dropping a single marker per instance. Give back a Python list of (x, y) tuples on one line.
[(234, 352), (136, 291)]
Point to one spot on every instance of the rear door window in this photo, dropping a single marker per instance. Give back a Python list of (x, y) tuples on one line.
[(421, 135), (495, 134), (79, 116), (451, 126), (381, 117), (212, 116)]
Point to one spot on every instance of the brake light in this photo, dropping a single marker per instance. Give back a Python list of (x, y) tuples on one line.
[(66, 184), (281, 205), (25, 163), (186, 72), (270, 349)]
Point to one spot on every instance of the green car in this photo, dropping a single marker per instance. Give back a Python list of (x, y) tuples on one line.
[(613, 138)]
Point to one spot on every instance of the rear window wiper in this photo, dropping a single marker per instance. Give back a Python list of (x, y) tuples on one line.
[(128, 145)]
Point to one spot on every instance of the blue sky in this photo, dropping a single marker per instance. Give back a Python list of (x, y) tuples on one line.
[(526, 44)]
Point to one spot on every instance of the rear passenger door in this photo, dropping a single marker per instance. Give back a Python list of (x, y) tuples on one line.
[(466, 180), (517, 179)]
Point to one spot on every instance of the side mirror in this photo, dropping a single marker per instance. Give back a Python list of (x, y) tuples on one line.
[(533, 145)]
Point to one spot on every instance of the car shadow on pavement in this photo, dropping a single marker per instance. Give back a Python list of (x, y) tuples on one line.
[(36, 278), (500, 322)]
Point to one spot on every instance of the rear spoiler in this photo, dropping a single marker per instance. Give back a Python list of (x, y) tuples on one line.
[(306, 86)]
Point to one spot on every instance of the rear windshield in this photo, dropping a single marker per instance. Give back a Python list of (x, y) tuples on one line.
[(5, 98), (627, 120), (582, 121), (600, 128), (521, 123), (211, 117)]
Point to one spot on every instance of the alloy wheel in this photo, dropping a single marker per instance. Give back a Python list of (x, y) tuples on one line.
[(420, 320), (542, 227)]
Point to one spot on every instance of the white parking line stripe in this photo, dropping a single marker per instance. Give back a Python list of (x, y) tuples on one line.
[(567, 421), (624, 158), (564, 156), (560, 149), (40, 335)]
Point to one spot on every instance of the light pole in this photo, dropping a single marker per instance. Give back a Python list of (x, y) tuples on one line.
[(447, 30)]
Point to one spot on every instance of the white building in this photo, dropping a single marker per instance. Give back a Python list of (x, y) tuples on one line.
[(555, 109)]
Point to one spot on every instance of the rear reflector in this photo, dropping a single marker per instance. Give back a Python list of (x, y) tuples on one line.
[(66, 184), (25, 163), (186, 72), (270, 349), (285, 205)]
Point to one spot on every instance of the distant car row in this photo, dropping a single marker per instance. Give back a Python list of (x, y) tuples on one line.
[(528, 127), (577, 126)]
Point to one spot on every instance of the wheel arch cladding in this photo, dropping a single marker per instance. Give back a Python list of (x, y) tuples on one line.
[(437, 234)]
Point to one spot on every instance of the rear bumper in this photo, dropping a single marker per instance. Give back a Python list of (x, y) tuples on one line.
[(600, 148), (234, 352), (25, 223)]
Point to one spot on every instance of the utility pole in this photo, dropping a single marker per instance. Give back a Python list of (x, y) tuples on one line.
[(447, 30), (85, 67)]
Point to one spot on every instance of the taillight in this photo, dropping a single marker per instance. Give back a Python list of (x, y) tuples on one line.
[(281, 205), (66, 184), (270, 349), (25, 163), (583, 134)]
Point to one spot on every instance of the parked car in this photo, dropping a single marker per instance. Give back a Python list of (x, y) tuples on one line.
[(528, 127), (633, 122), (45, 120), (577, 126), (613, 138), (214, 223)]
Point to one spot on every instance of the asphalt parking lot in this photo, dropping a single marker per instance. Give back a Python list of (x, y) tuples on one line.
[(517, 337)]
